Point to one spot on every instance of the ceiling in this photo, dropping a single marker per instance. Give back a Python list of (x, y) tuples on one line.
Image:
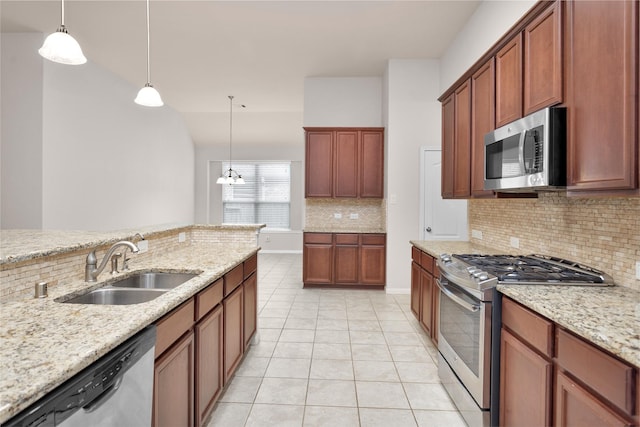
[(258, 51)]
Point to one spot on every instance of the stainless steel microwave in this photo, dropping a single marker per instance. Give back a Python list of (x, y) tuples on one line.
[(528, 154)]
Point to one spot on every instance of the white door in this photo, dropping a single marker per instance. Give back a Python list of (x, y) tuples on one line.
[(440, 219)]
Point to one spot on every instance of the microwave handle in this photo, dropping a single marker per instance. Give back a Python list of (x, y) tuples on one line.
[(449, 292), (523, 138)]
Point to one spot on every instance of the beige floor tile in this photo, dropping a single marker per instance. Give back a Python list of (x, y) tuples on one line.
[(332, 325), (386, 418), (267, 334), (306, 324), (332, 337), (328, 369), (428, 396), (386, 395), (332, 314), (284, 391), (370, 352), (332, 351), (405, 353), (272, 322), (288, 368), (417, 372), (391, 315), (361, 314), (371, 370), (275, 415), (253, 366), (303, 313), (262, 347), (402, 338), (396, 326), (364, 325), (293, 350), (330, 416), (241, 390), (331, 393), (439, 419), (230, 415), (366, 337)]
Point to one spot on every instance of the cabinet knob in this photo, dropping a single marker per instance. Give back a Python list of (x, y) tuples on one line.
[(428, 229)]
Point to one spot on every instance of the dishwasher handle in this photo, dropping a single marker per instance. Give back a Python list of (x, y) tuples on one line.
[(458, 297), (104, 396)]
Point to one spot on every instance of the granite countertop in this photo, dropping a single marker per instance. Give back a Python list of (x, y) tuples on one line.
[(331, 229), (609, 317), (43, 342)]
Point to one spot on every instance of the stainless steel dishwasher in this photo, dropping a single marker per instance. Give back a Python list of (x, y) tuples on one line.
[(115, 391)]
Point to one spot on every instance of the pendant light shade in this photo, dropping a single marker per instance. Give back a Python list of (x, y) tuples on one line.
[(230, 176), (60, 47), (148, 95)]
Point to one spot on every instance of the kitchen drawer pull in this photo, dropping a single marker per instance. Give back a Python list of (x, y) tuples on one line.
[(457, 297)]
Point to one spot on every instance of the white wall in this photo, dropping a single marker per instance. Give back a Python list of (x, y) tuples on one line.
[(490, 21), (21, 118), (413, 121), (107, 163)]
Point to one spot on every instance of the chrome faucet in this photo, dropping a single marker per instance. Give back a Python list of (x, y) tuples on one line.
[(91, 272), (125, 260)]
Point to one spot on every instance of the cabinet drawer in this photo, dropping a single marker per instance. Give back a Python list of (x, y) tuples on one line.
[(373, 239), (415, 254), (606, 375), (233, 279), (346, 239), (426, 262), (532, 328), (250, 266), (322, 238), (206, 300), (173, 326)]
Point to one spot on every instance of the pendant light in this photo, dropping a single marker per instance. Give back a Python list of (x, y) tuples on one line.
[(230, 176), (60, 47), (148, 95)]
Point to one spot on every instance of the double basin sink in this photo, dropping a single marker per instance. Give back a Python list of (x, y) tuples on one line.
[(134, 289)]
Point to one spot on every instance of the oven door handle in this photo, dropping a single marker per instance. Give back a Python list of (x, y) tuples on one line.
[(457, 297)]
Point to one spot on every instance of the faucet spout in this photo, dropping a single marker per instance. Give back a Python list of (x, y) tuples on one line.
[(91, 270)]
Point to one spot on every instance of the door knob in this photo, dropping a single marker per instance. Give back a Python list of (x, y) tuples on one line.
[(428, 229)]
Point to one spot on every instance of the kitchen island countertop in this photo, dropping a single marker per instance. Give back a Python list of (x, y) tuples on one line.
[(609, 317), (44, 342)]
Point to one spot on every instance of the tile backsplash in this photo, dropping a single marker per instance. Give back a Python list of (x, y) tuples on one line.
[(603, 233), (320, 215)]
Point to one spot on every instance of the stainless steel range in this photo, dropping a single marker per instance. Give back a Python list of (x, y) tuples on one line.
[(470, 320)]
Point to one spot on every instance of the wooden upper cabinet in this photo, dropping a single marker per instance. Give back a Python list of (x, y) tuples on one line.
[(319, 164), (346, 164), (372, 164), (602, 95), (483, 120), (462, 138), (509, 82), (543, 60), (448, 135)]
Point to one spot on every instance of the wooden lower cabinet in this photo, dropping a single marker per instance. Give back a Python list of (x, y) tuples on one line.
[(426, 304), (209, 334), (344, 259), (526, 379), (425, 296), (233, 329), (173, 385), (415, 289), (250, 302)]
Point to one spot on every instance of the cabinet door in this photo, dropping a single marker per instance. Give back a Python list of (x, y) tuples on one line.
[(426, 305), (371, 164), (448, 135), (543, 60), (346, 164), (415, 290), (601, 79), (372, 264), (462, 150), (346, 264), (317, 264), (233, 328), (509, 82), (319, 164), (250, 308), (483, 120), (525, 384), (575, 406), (173, 387), (209, 367)]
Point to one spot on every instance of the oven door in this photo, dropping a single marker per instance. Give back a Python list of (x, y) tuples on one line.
[(464, 339)]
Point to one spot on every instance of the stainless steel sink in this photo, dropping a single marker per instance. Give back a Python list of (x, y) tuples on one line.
[(153, 280), (117, 296)]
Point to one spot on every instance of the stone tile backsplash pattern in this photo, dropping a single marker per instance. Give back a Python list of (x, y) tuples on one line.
[(319, 215), (602, 233)]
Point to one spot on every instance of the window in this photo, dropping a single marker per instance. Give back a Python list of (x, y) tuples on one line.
[(263, 199)]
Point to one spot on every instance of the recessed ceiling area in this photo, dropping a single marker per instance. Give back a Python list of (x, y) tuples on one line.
[(258, 51)]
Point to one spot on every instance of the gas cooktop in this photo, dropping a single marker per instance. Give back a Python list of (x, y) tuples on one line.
[(488, 270)]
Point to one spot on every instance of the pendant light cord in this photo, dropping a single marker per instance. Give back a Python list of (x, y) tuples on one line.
[(148, 46), (230, 130), (62, 15)]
